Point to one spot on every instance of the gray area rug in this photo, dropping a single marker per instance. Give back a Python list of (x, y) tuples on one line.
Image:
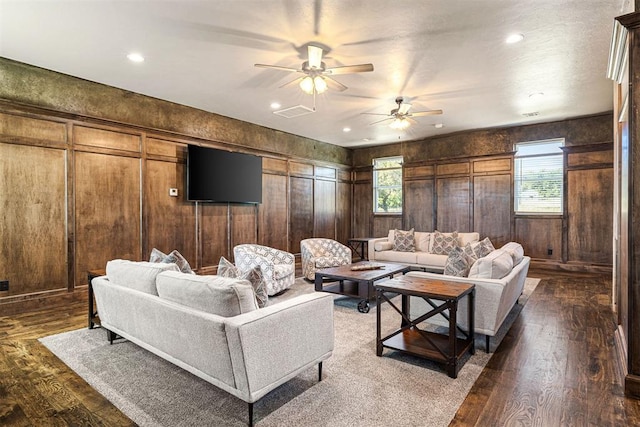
[(358, 388)]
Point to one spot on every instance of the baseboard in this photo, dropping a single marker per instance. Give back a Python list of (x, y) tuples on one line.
[(31, 302), (546, 264)]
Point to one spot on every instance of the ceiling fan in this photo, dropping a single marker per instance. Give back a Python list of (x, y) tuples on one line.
[(400, 117), (317, 77)]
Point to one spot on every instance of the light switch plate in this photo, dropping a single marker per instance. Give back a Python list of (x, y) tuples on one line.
[(173, 192)]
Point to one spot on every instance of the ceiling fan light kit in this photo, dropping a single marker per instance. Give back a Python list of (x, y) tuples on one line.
[(313, 85)]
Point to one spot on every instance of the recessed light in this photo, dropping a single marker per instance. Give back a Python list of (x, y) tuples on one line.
[(438, 125), (346, 129), (514, 38), (366, 139), (275, 105), (536, 95), (135, 57)]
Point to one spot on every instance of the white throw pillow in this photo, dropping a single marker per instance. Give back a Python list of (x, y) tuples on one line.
[(140, 276), (223, 296), (422, 241), (383, 246), (515, 250), (496, 265)]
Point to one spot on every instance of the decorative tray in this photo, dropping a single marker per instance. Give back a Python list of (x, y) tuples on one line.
[(368, 266)]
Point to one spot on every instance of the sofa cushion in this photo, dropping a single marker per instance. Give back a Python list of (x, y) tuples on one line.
[(496, 265), (404, 241), (218, 295), (383, 246), (422, 241), (443, 243), (397, 256), (253, 275), (515, 250), (457, 263), (140, 276), (429, 260), (470, 237)]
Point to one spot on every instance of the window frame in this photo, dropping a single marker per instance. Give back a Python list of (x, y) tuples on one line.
[(517, 181), (376, 187)]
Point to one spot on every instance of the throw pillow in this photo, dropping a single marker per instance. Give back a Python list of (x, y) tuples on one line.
[(404, 241), (174, 257), (457, 263), (254, 276), (485, 247), (470, 251), (157, 255), (442, 244)]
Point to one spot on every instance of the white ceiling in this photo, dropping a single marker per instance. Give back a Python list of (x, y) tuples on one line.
[(445, 54)]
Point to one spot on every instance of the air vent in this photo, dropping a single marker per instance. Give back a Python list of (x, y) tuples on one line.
[(533, 114), (291, 112)]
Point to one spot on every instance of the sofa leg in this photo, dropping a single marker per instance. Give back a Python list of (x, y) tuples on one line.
[(488, 341), (110, 336), (251, 414), (319, 371)]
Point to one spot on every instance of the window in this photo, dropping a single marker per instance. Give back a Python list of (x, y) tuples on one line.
[(387, 185), (538, 177)]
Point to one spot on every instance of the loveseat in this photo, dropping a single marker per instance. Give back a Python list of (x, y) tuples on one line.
[(211, 326), (499, 280), (425, 254)]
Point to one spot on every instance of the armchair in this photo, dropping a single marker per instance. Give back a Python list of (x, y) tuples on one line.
[(322, 253), (278, 267)]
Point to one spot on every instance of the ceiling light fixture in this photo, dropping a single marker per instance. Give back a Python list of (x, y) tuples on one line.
[(514, 38), (346, 129), (399, 123), (536, 95), (135, 57), (313, 85), (275, 105)]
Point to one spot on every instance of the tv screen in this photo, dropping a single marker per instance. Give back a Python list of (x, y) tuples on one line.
[(222, 176)]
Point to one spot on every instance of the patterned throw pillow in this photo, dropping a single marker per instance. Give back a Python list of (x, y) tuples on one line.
[(404, 241), (470, 251), (443, 244), (485, 247), (254, 276), (174, 257), (458, 263)]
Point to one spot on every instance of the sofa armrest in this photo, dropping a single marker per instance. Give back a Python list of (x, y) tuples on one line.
[(372, 246), (272, 345)]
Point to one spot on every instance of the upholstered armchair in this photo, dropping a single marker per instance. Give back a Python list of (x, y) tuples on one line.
[(278, 267), (322, 253)]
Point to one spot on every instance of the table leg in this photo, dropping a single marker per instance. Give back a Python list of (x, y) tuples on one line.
[(90, 309), (378, 319), (453, 360)]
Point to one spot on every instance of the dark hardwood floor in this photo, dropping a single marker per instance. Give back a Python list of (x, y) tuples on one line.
[(555, 367)]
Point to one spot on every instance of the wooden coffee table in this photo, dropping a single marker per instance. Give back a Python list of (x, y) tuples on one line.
[(356, 283), (448, 348)]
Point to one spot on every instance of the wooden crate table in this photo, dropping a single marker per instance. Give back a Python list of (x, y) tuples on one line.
[(448, 348)]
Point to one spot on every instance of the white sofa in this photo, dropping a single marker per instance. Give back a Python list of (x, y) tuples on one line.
[(381, 249), (241, 349), (495, 297)]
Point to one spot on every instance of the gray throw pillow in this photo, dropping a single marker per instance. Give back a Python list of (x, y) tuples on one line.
[(174, 257), (458, 263), (254, 276), (443, 244), (404, 241)]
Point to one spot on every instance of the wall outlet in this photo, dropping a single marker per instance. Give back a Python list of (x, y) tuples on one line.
[(4, 285), (173, 192), (549, 251)]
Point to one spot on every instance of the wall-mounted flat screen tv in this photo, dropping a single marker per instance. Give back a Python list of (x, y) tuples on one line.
[(222, 176)]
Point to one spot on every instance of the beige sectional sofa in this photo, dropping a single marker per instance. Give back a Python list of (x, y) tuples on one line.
[(212, 327), (382, 249)]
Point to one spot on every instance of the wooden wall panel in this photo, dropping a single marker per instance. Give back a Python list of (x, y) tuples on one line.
[(383, 223), (343, 212), (107, 211), (33, 227), (170, 222), (493, 165), (244, 224), (537, 235), (453, 168), (300, 211), (26, 127), (325, 172), (160, 147), (272, 229), (324, 209), (363, 209), (106, 139), (492, 207), (590, 158), (454, 200), (296, 168), (418, 205), (590, 208), (213, 233)]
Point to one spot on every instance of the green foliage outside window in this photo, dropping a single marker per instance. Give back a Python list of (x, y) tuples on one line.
[(387, 185)]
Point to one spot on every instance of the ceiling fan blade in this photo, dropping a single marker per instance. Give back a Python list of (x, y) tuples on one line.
[(334, 84), (410, 120), (376, 114), (292, 82), (315, 56), (426, 113), (404, 108), (276, 67), (347, 69), (383, 120)]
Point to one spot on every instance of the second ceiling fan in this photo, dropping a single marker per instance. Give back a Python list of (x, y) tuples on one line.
[(400, 117), (317, 77)]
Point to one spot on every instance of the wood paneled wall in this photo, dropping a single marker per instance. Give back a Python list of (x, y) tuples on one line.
[(77, 193), (476, 194)]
